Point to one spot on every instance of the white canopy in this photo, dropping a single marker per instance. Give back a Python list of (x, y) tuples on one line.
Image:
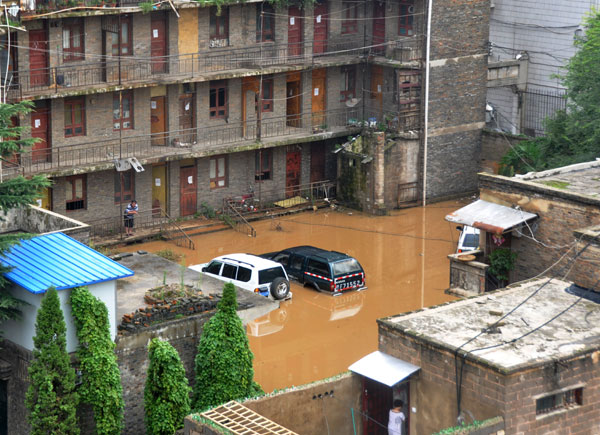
[(383, 368)]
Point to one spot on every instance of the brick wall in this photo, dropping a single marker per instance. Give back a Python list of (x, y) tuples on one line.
[(560, 214), (457, 95), (487, 393)]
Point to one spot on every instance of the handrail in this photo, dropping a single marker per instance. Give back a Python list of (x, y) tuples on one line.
[(84, 75), (229, 210), (185, 241)]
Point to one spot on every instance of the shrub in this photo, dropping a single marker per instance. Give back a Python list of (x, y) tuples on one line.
[(51, 398), (502, 261), (100, 377), (167, 394), (224, 360)]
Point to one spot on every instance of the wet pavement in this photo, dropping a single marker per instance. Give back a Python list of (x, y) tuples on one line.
[(316, 335)]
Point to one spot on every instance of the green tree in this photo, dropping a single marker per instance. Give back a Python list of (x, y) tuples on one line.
[(224, 360), (572, 135), (167, 394), (14, 192), (100, 377), (51, 398)]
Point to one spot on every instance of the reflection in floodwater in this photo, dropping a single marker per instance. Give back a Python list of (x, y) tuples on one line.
[(316, 335)]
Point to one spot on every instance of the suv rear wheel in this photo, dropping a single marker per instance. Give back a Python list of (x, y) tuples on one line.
[(280, 288)]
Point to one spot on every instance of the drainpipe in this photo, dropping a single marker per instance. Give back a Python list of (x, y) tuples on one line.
[(426, 121)]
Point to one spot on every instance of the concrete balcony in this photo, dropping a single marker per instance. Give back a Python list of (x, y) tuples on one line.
[(234, 136), (214, 64)]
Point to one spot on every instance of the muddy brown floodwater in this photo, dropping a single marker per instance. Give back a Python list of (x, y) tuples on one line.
[(315, 335)]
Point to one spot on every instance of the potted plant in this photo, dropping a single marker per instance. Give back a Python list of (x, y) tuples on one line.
[(502, 261)]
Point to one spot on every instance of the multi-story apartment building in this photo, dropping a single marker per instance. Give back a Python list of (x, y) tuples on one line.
[(536, 39), (215, 102)]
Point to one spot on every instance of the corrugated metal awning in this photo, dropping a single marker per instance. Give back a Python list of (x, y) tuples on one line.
[(383, 368), (57, 260), (489, 217)]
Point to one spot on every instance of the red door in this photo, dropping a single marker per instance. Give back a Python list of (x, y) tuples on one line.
[(38, 58), (187, 190), (317, 162), (294, 31), (320, 27), (292, 173), (158, 44), (379, 27), (40, 152), (377, 402)]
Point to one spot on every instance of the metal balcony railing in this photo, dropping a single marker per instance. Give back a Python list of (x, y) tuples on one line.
[(208, 139), (75, 76)]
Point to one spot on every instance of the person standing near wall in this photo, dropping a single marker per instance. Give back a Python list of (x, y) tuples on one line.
[(130, 212), (396, 420)]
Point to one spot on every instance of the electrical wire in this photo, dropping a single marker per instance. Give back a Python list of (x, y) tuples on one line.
[(459, 372)]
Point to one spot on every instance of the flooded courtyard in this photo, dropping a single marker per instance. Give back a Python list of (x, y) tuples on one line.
[(316, 335)]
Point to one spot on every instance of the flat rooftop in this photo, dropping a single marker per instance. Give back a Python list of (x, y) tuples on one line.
[(574, 331), (581, 178)]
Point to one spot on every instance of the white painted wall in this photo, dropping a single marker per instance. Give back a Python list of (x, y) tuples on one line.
[(545, 30), (22, 331)]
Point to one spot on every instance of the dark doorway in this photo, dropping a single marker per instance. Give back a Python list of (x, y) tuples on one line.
[(292, 173), (377, 402)]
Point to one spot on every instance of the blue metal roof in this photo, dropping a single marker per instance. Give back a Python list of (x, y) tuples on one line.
[(57, 260)]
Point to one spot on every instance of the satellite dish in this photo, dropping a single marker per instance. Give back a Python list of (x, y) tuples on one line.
[(352, 102)]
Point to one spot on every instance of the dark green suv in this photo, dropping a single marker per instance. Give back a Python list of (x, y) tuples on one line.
[(329, 271)]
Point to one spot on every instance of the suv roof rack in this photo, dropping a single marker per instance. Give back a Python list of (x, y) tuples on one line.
[(238, 261)]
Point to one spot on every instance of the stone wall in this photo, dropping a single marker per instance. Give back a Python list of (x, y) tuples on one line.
[(14, 362), (37, 220), (307, 409)]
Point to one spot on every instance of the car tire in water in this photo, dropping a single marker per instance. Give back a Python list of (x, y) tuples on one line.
[(280, 288)]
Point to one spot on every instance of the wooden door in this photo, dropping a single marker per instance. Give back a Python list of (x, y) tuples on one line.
[(159, 189), (187, 118), (38, 58), (317, 162), (40, 129), (319, 90), (377, 402), (379, 26), (293, 100), (158, 121), (295, 29), (187, 190), (158, 44), (46, 200), (320, 27), (250, 89), (377, 90), (292, 173)]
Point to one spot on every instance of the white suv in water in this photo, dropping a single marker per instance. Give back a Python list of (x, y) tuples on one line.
[(249, 272)]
